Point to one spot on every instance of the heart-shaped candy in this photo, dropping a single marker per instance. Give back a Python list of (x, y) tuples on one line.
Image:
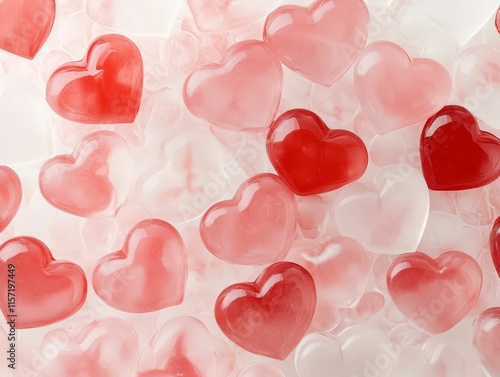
[(486, 333), (434, 294), (455, 153), (242, 93), (495, 244), (133, 17), (153, 256), (91, 182), (45, 291), (320, 42), (104, 87), (389, 217), (270, 316), (312, 158), (221, 15), (256, 227), (106, 347), (396, 91), (25, 25), (182, 347), (11, 193)]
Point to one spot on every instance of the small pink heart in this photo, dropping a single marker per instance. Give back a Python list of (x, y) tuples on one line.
[(182, 347), (396, 91), (242, 93), (255, 227), (11, 193), (153, 255), (107, 347), (320, 42), (485, 339)]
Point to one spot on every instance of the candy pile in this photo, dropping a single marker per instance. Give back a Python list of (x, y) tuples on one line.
[(264, 188)]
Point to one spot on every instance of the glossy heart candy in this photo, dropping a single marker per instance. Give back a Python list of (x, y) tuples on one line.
[(11, 194), (153, 256), (396, 91), (455, 153), (242, 93), (312, 158), (46, 290), (495, 244), (270, 316), (107, 347), (320, 42), (434, 294), (256, 227), (25, 25), (182, 347), (91, 182), (229, 14), (104, 87), (486, 332)]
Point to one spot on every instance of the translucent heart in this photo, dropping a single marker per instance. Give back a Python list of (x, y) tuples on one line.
[(11, 193), (485, 339)]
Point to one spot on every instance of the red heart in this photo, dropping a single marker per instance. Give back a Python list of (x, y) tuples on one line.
[(320, 42), (312, 158), (495, 244), (124, 279), (11, 193), (270, 316), (455, 153), (25, 25), (256, 227), (104, 87), (45, 290), (437, 294), (80, 183)]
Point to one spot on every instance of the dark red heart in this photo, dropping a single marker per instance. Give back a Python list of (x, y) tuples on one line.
[(312, 158), (270, 316), (495, 244), (455, 153), (25, 25), (104, 87)]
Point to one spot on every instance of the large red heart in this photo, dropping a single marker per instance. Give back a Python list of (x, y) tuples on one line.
[(81, 183), (455, 153), (242, 93), (153, 256), (256, 227), (312, 158), (270, 316), (322, 41), (437, 294), (107, 347), (11, 193), (495, 244), (25, 25), (45, 290), (104, 87)]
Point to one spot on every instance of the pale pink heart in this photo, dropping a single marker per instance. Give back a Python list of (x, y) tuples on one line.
[(241, 93), (217, 15), (107, 347), (183, 346), (320, 42), (388, 217), (396, 91), (486, 339)]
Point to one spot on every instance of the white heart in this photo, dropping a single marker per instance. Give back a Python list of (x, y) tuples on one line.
[(391, 216)]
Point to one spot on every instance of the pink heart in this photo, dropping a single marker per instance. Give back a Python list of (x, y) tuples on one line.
[(434, 294), (91, 182), (107, 347), (182, 347), (256, 226), (11, 193), (485, 339), (396, 91), (320, 42), (153, 255), (242, 93)]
